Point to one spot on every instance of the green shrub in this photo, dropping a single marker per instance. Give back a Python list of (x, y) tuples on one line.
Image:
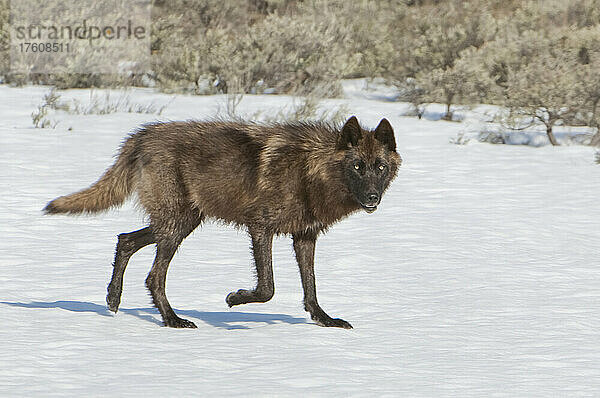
[(448, 51)]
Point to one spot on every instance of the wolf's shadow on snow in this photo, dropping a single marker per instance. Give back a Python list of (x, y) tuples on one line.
[(225, 320)]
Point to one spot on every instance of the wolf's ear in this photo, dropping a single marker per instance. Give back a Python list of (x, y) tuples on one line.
[(350, 134), (385, 134)]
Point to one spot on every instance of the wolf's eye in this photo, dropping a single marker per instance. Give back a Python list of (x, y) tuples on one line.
[(381, 167), (356, 166)]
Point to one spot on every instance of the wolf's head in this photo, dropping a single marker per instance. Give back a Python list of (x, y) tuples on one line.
[(370, 162)]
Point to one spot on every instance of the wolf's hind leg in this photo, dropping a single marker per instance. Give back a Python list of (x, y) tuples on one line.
[(127, 245), (169, 233), (156, 282), (262, 243)]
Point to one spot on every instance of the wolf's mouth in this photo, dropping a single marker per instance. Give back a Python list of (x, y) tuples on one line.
[(369, 209)]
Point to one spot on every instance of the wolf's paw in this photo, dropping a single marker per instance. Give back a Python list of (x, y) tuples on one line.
[(333, 323), (113, 299), (244, 296), (237, 298), (179, 323)]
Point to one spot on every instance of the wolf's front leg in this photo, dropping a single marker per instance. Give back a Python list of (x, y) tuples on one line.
[(304, 246), (262, 243)]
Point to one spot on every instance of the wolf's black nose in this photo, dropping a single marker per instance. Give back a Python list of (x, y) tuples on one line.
[(373, 197)]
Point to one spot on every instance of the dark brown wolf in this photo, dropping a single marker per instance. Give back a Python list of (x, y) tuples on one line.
[(296, 179)]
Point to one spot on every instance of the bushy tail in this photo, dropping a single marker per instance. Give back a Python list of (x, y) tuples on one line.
[(111, 190)]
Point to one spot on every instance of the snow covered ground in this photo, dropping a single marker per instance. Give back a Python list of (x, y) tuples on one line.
[(479, 275)]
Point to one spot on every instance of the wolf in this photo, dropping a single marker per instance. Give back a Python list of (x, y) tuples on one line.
[(272, 179)]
